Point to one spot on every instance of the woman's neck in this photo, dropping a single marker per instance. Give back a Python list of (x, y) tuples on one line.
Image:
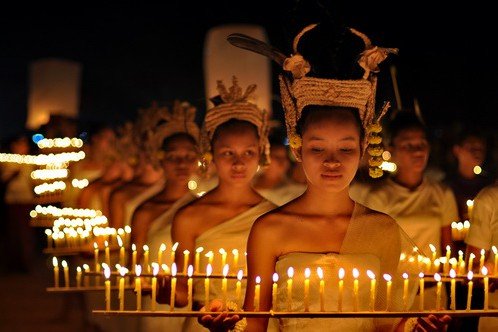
[(235, 194), (409, 180), (173, 191), (266, 182), (149, 176), (326, 203)]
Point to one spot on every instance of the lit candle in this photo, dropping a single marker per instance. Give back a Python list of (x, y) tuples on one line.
[(448, 256), (138, 286), (460, 257), (50, 241), (235, 254), (454, 263), (127, 230), (162, 249), (198, 258), (453, 290), (96, 256), (86, 281), (257, 289), (471, 261), (341, 288), (190, 272), (224, 285), (388, 279), (223, 254), (307, 274), (238, 289), (245, 263), (155, 271), (319, 272), (495, 251), (274, 292), (484, 272), (405, 291), (373, 289), (122, 272), (454, 232), (290, 275), (209, 270), (437, 277), (78, 277), (173, 251), (66, 274), (186, 253), (421, 291), (470, 207), (121, 252), (434, 252), (107, 274), (482, 259), (470, 285), (210, 257), (437, 263), (107, 254), (55, 263), (356, 274), (173, 287), (133, 255), (146, 258)]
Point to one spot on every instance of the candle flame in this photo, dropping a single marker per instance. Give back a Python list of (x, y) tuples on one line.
[(138, 270), (86, 267), (165, 268), (222, 251), (421, 275), (342, 273), (48, 232), (162, 247), (307, 273), (437, 277), (402, 256), (173, 270), (356, 273), (235, 252), (107, 273), (190, 271), (470, 275), (120, 242), (78, 269), (186, 252), (466, 224), (258, 280), (452, 273), (290, 272), (453, 260), (405, 275), (225, 270), (122, 271), (432, 247), (121, 231), (209, 270), (199, 250), (470, 203), (319, 271), (209, 254), (275, 277), (133, 247), (387, 277), (95, 246), (146, 247), (55, 262), (173, 248), (448, 248), (370, 274), (472, 255), (495, 250), (240, 274), (106, 244), (105, 266), (155, 268), (483, 252), (64, 264), (127, 229), (484, 271)]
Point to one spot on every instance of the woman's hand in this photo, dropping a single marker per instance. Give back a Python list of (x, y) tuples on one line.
[(219, 323), (432, 323)]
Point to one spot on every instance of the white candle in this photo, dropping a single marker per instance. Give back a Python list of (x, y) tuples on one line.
[(471, 262), (224, 284), (290, 275), (160, 252), (484, 272), (470, 285), (133, 255), (495, 251), (238, 289), (388, 279), (470, 207), (107, 254), (86, 281), (434, 252), (197, 258), (453, 290), (121, 252), (274, 292), (155, 271), (448, 256), (341, 288), (173, 287), (356, 274), (127, 230), (138, 286), (257, 289), (319, 272), (421, 291), (235, 254), (209, 270), (96, 262), (55, 263), (223, 254), (107, 274), (186, 254), (122, 272), (173, 252), (146, 258), (482, 259), (307, 274), (66, 274), (50, 241), (210, 257), (437, 277), (78, 277), (373, 289), (190, 272), (405, 291)]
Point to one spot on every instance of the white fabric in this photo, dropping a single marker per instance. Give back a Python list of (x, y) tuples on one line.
[(283, 193), (132, 204)]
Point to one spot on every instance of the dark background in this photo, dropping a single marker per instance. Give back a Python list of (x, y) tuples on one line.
[(133, 54)]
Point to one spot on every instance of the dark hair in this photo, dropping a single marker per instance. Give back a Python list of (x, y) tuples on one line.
[(232, 123), (404, 121), (468, 133), (173, 137), (303, 121)]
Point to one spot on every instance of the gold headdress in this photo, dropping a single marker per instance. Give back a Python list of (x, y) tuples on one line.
[(235, 105), (298, 90), (161, 123)]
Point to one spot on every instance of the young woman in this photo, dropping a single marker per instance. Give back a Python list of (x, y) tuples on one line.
[(235, 136), (324, 228)]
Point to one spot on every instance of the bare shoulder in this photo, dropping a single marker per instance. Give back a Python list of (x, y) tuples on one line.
[(195, 211), (374, 216)]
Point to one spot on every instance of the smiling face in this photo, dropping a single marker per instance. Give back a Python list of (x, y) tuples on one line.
[(180, 158), (330, 152), (236, 152)]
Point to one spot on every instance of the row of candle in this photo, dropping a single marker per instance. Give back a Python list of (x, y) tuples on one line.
[(52, 211), (42, 159), (459, 230), (64, 142)]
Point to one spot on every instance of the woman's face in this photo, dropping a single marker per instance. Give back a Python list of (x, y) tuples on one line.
[(330, 151), (410, 150), (236, 154), (180, 159)]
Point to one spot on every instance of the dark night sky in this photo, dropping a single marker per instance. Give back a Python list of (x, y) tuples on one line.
[(132, 55)]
